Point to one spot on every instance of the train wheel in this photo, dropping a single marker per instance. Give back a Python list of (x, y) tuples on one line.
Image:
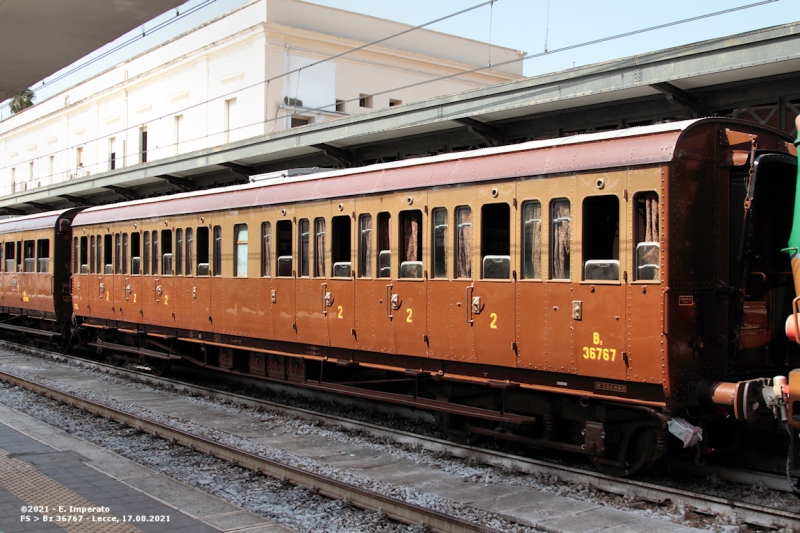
[(457, 428), (158, 367), (636, 455)]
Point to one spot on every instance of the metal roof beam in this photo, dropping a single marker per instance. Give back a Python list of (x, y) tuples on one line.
[(13, 211), (680, 98), (128, 194), (243, 170), (77, 200), (493, 136), (40, 206), (346, 158), (182, 183)]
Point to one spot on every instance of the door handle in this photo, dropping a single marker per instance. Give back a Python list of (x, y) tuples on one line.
[(323, 298), (468, 303), (388, 301)]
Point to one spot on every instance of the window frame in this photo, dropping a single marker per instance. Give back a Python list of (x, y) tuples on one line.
[(238, 246), (524, 243)]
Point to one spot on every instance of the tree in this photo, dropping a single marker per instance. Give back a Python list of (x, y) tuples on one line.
[(21, 100)]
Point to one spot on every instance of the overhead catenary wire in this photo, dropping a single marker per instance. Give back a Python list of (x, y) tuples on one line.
[(321, 109)]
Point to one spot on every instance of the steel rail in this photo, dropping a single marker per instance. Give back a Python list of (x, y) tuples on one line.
[(749, 513), (401, 511)]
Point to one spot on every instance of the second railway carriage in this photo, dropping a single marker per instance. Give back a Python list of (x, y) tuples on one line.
[(35, 274), (576, 293)]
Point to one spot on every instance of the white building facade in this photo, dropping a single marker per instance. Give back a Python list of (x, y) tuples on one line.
[(227, 80)]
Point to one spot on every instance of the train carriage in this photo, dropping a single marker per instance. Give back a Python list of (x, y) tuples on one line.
[(35, 274), (575, 293)]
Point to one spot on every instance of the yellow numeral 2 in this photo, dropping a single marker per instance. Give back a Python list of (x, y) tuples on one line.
[(408, 318), (166, 299), (340, 313), (493, 325), (107, 296), (134, 297)]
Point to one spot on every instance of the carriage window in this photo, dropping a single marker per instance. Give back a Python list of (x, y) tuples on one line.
[(559, 239), (19, 256), (43, 255), (11, 260), (440, 242), (384, 246), (166, 252), (341, 247), (146, 252), (136, 251), (30, 257), (117, 253), (154, 257), (189, 250), (266, 249), (178, 252), (85, 254), (463, 242), (601, 238), (240, 250), (217, 250), (646, 228), (202, 251), (319, 247), (92, 254), (365, 246), (124, 253), (303, 235), (532, 240), (99, 258), (496, 241), (284, 243), (411, 243)]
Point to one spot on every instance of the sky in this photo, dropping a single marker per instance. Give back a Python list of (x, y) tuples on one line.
[(526, 25)]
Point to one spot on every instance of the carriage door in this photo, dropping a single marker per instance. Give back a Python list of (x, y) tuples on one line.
[(408, 300), (132, 289), (101, 295), (598, 309), (311, 282), (374, 285), (645, 293), (283, 291), (163, 253), (339, 294), (450, 330), (198, 244), (491, 302)]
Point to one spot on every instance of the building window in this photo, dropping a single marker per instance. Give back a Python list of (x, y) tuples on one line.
[(284, 243), (341, 247), (79, 157), (217, 250), (319, 247), (411, 244), (463, 255), (532, 240), (646, 234), (365, 100), (393, 103), (143, 144), (365, 246), (601, 238), (299, 121), (112, 154), (559, 238), (146, 253), (178, 252), (177, 133), (439, 258), (240, 250), (303, 232), (340, 106), (229, 119), (266, 249), (384, 245)]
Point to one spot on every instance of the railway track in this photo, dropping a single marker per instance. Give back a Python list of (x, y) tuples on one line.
[(748, 513)]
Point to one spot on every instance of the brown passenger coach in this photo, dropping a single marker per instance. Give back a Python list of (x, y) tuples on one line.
[(583, 293)]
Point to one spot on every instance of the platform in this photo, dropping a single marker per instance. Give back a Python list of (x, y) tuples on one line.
[(73, 485)]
